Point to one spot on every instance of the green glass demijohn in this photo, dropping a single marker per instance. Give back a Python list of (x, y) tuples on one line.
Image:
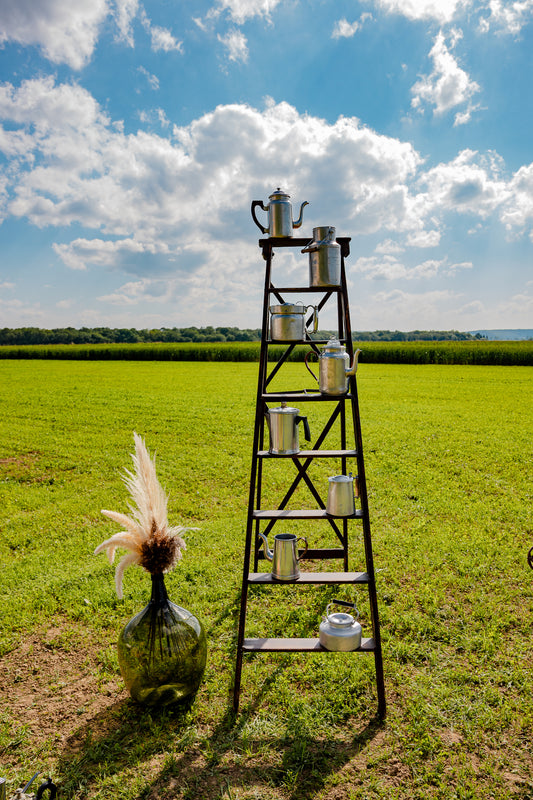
[(162, 651)]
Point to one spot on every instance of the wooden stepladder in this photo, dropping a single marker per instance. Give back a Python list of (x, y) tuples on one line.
[(344, 419)]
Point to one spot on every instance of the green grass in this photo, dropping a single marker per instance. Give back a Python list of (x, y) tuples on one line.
[(504, 353), (448, 461)]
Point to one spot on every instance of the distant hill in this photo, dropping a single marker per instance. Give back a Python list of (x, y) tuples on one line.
[(512, 334)]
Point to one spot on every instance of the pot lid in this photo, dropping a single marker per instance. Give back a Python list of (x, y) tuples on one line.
[(341, 478), (288, 308), (333, 346), (340, 619), (279, 194), (284, 409)]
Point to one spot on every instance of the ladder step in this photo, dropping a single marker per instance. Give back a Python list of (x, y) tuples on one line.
[(312, 578), (303, 397), (310, 454), (319, 513), (296, 645)]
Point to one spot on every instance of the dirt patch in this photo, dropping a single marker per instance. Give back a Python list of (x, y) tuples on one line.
[(51, 684)]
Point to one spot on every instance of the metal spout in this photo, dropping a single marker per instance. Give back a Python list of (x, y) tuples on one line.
[(300, 218), (269, 554), (353, 368)]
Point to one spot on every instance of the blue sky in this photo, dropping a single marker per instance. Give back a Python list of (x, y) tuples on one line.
[(134, 135)]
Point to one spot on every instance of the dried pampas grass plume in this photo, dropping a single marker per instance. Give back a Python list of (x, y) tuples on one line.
[(151, 542)]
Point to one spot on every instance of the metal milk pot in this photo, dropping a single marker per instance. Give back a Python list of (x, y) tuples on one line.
[(324, 257), (279, 209), (283, 428), (284, 557), (287, 322), (333, 367), (341, 501)]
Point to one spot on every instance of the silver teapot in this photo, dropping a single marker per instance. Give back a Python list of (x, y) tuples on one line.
[(333, 367), (280, 223), (340, 631)]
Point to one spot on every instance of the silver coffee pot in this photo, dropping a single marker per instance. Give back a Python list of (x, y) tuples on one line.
[(339, 631), (285, 556), (283, 428), (324, 257), (280, 223), (333, 367)]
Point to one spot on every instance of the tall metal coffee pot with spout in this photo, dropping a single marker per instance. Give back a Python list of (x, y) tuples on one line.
[(280, 222), (333, 367)]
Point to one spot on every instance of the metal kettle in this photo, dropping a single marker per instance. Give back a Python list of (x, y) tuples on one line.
[(283, 428), (340, 631), (324, 257), (333, 367), (279, 209)]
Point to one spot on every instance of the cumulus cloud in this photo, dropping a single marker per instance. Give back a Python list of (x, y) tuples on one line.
[(240, 10), (161, 38), (159, 207), (65, 32), (440, 10), (507, 17), (124, 13), (344, 29), (448, 85), (236, 45)]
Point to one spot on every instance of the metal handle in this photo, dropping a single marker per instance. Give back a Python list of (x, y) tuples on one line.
[(310, 353), (302, 539), (47, 786), (530, 558), (315, 318), (265, 208), (307, 431), (342, 603)]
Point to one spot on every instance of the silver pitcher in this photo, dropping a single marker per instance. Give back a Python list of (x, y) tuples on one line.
[(324, 257), (280, 223), (285, 556), (283, 428), (341, 500), (333, 367), (287, 322)]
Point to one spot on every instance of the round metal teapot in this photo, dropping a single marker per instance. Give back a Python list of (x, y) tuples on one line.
[(340, 631), (279, 209), (333, 367)]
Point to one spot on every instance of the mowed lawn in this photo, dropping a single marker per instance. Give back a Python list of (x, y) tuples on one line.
[(448, 456)]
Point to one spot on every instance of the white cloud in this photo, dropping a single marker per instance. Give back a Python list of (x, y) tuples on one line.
[(161, 38), (125, 12), (158, 207), (509, 17), (153, 80), (345, 29), (442, 11), (241, 10), (235, 43), (65, 32), (448, 86)]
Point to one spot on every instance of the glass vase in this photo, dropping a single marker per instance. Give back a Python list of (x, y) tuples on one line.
[(162, 651)]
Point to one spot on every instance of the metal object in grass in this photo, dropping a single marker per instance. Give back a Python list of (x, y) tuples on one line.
[(530, 558), (340, 631), (285, 556), (21, 794), (280, 222)]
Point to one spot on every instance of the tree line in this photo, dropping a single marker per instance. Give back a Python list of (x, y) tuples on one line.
[(21, 336)]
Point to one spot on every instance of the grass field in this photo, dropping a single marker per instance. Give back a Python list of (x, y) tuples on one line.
[(448, 457)]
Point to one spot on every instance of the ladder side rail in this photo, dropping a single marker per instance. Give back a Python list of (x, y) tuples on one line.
[(258, 428)]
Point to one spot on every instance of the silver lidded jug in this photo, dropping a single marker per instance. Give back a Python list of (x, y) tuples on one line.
[(339, 631), (285, 556), (324, 257), (283, 428), (287, 322), (341, 501), (333, 367), (280, 223)]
